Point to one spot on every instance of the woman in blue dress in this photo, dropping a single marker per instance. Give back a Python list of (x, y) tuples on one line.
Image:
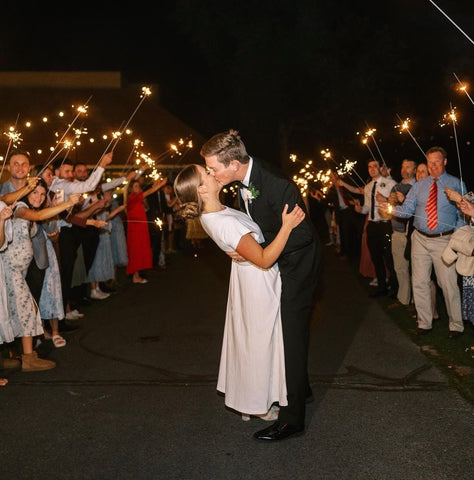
[(118, 239), (103, 267)]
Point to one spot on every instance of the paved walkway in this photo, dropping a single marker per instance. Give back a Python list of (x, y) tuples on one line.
[(133, 395)]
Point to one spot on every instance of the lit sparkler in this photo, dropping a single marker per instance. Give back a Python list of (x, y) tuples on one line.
[(146, 92), (327, 156), (452, 117), (463, 88), (14, 137), (370, 134), (348, 168), (405, 127), (159, 223), (365, 141), (81, 110)]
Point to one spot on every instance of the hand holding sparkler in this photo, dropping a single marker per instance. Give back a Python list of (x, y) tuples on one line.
[(467, 207), (12, 197), (317, 195), (385, 210), (106, 159), (357, 205), (157, 184), (93, 222), (73, 199), (400, 197), (160, 182), (6, 213), (355, 190), (453, 195), (392, 198)]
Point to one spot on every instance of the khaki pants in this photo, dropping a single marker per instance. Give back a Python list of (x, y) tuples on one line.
[(426, 254), (402, 267)]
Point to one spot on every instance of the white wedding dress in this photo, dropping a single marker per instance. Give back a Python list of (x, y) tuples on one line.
[(252, 364)]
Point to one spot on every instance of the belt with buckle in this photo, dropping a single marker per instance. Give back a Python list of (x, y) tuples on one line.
[(435, 235)]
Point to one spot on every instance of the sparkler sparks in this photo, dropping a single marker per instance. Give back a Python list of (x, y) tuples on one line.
[(365, 141), (449, 117), (452, 117), (14, 136), (463, 88), (370, 134), (405, 127), (159, 223), (81, 110), (346, 168), (146, 92)]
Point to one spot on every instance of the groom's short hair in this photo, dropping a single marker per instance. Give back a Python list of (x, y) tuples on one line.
[(227, 146)]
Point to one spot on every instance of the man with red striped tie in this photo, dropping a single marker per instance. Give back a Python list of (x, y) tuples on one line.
[(435, 219)]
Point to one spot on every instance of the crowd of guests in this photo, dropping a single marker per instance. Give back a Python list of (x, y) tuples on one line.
[(412, 237), (63, 235)]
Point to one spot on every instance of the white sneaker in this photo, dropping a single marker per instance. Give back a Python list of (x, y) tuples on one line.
[(272, 414), (98, 294), (72, 316), (77, 313), (374, 282)]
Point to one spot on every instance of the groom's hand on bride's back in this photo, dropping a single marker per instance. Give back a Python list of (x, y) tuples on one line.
[(236, 257)]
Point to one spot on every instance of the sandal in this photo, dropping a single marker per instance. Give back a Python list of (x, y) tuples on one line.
[(58, 341)]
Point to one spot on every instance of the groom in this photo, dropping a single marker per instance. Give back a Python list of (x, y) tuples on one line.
[(265, 196)]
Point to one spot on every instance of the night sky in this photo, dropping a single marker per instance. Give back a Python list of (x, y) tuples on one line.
[(290, 76)]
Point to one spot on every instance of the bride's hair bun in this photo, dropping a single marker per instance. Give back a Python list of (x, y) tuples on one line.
[(189, 210)]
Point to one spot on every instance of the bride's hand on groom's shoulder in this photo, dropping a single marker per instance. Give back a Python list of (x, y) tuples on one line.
[(293, 218)]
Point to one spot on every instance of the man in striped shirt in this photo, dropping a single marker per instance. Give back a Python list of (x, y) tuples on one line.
[(435, 219)]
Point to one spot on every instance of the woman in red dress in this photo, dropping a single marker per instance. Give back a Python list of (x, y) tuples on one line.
[(138, 238)]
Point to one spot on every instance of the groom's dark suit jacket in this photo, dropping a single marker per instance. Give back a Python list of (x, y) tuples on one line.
[(299, 266)]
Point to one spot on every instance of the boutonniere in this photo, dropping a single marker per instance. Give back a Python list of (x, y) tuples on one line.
[(382, 185), (250, 193)]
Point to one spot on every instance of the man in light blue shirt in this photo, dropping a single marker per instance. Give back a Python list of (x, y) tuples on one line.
[(435, 219)]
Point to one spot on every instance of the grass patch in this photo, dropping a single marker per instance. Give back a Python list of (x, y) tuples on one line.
[(453, 357)]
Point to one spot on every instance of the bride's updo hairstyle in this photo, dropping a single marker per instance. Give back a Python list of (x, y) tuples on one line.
[(186, 188)]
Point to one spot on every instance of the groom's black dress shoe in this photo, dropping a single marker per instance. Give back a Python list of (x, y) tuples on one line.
[(279, 431)]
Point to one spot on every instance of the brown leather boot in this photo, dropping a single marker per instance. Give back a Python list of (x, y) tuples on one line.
[(30, 362)]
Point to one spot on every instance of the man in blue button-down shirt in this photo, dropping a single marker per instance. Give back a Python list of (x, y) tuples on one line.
[(429, 243)]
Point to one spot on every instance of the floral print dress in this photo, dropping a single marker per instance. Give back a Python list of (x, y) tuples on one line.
[(22, 309), (7, 332)]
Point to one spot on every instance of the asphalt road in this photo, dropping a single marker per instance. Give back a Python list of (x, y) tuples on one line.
[(133, 395)]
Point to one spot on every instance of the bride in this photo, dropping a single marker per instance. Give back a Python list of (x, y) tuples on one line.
[(252, 364)]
